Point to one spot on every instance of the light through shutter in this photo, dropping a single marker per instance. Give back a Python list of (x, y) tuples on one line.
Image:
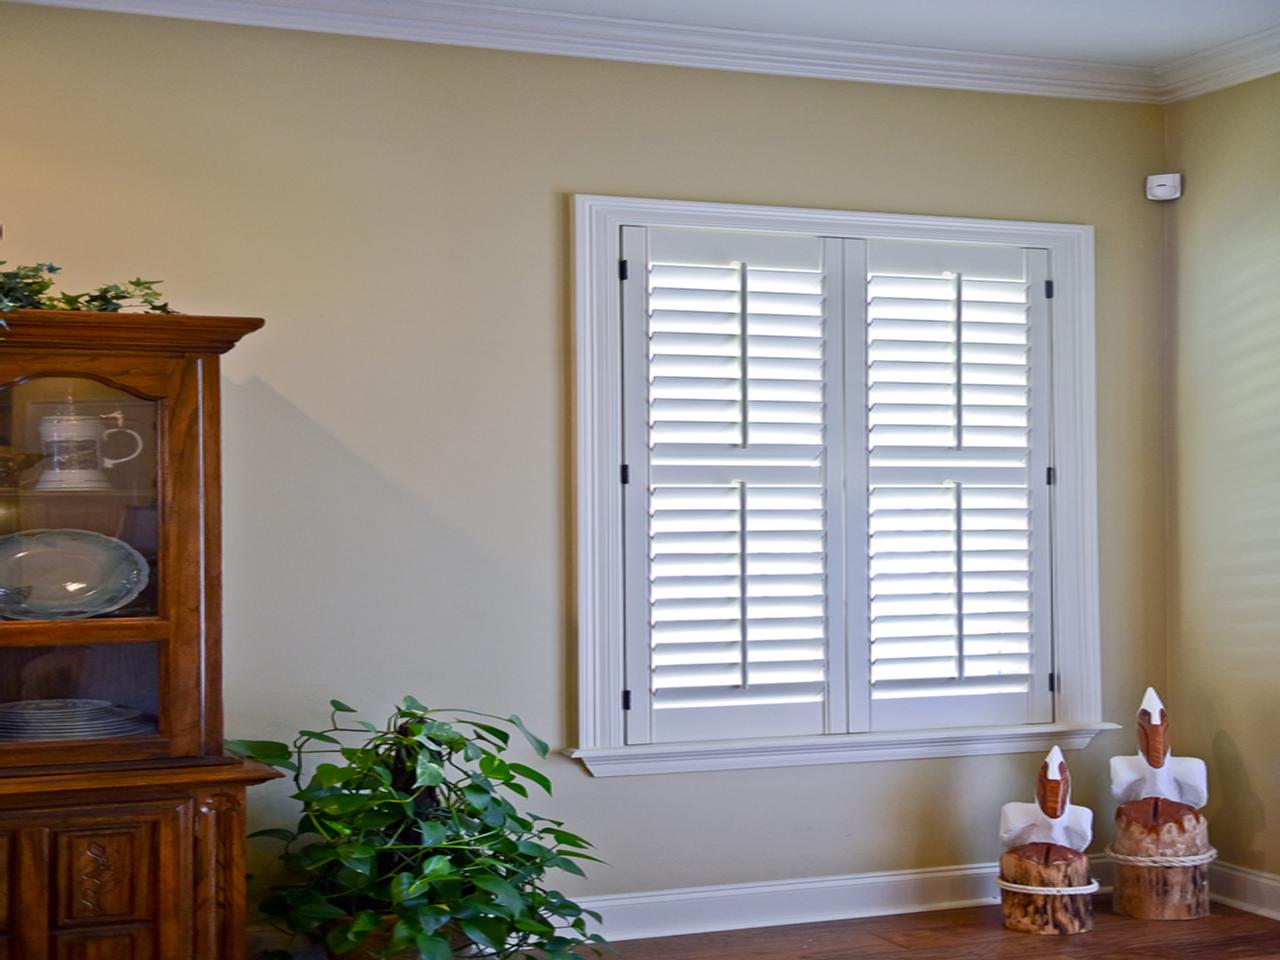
[(736, 534), (957, 511)]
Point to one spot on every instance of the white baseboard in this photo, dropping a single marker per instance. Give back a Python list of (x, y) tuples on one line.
[(739, 906), (1245, 889), (736, 906)]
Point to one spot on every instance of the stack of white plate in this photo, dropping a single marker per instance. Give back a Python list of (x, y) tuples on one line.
[(69, 720)]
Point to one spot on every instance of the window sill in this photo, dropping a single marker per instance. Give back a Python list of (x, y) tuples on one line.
[(837, 748)]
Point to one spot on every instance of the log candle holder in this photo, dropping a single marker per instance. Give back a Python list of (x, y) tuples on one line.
[(1162, 854), (1044, 875), (1161, 848), (1045, 888)]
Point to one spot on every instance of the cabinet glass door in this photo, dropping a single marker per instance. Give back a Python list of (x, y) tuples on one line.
[(79, 501), (94, 664)]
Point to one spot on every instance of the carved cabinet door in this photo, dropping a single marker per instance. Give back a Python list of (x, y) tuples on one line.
[(108, 883)]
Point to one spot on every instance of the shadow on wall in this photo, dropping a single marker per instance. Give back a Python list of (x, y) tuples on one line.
[(1236, 812), (1239, 814), (342, 583)]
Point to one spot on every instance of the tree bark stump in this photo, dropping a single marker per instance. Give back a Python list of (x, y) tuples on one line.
[(1046, 865), (1155, 827)]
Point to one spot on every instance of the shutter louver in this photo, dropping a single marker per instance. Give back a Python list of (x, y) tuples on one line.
[(955, 586), (737, 538)]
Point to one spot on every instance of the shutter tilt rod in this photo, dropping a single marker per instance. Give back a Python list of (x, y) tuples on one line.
[(959, 487), (960, 632), (959, 361), (744, 679), (742, 338)]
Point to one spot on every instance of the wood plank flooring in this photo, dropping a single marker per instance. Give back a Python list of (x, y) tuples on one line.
[(976, 933)]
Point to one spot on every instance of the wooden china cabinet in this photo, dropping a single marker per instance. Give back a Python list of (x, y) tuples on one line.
[(121, 821)]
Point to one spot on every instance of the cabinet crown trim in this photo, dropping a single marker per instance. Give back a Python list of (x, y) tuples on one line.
[(85, 330)]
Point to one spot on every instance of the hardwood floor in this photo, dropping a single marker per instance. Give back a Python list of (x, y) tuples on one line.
[(976, 933)]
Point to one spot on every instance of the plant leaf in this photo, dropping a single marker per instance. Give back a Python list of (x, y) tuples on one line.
[(340, 707), (478, 796), (431, 832), (343, 803), (401, 884), (431, 947), (539, 745), (496, 732), (437, 866), (569, 839), (503, 892), (531, 774), (477, 933), (567, 865), (268, 751), (429, 773), (317, 735), (317, 908), (365, 921)]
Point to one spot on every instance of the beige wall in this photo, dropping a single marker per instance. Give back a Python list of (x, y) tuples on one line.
[(397, 456), (1225, 636)]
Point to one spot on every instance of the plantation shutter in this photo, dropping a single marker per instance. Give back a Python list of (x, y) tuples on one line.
[(957, 398), (837, 513), (732, 391)]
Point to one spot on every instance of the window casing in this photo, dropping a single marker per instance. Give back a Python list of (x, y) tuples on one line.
[(837, 430)]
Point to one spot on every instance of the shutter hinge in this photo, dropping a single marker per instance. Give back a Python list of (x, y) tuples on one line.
[(1053, 682), (626, 699), (1048, 289), (625, 473), (623, 272), (1050, 475)]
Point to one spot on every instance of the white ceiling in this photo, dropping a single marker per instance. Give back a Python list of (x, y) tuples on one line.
[(1144, 33), (1148, 51)]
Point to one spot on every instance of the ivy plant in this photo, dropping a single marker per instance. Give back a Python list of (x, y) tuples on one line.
[(409, 844), (30, 288)]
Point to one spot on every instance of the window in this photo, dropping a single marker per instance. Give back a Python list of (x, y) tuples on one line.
[(836, 495)]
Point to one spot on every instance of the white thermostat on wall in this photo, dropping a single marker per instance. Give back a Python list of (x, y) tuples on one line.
[(1164, 186)]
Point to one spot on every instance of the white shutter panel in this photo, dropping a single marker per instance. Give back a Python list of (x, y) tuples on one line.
[(729, 538), (958, 431)]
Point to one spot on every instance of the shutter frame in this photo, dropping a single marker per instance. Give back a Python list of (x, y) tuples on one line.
[(638, 718), (656, 432), (897, 708)]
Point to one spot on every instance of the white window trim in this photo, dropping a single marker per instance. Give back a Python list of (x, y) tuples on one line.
[(600, 609)]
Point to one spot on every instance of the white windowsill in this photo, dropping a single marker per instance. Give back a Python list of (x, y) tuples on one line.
[(835, 748)]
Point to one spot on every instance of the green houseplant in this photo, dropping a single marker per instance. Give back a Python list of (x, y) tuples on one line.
[(28, 287), (409, 844)]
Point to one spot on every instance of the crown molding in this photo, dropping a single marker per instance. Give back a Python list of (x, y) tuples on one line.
[(495, 26), (124, 331), (1223, 66), (608, 38)]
